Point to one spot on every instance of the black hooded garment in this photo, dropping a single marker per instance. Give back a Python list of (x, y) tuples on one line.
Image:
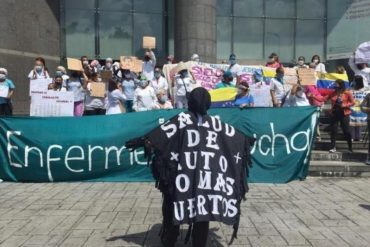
[(201, 164)]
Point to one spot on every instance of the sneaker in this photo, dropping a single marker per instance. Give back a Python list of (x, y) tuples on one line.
[(333, 150), (368, 162)]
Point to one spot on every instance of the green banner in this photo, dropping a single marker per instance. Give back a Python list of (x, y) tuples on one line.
[(92, 148)]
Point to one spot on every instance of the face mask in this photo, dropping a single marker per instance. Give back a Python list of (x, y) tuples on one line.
[(184, 74), (279, 76), (143, 84), (240, 91), (196, 60), (99, 80), (272, 60), (301, 62), (108, 65), (232, 61), (85, 63), (300, 93), (2, 77), (157, 75), (366, 70), (59, 73), (38, 68), (316, 61), (163, 99), (169, 62)]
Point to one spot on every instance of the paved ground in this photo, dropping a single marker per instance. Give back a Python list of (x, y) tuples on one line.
[(317, 212)]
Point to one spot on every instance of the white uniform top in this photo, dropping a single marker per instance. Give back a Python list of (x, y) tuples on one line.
[(148, 67), (114, 99), (321, 68), (299, 99), (280, 89), (159, 84), (144, 99), (183, 86), (365, 73), (235, 70), (42, 75)]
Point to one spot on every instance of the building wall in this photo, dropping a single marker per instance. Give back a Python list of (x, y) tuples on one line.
[(28, 28)]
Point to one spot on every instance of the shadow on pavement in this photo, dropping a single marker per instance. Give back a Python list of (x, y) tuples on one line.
[(152, 238), (365, 206)]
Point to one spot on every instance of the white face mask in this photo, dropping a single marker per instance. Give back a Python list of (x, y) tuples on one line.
[(2, 77), (300, 93), (301, 62), (366, 70), (316, 61)]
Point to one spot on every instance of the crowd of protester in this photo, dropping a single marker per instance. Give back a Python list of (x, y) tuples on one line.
[(149, 90)]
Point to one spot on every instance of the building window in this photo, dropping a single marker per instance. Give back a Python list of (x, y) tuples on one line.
[(253, 29), (110, 28)]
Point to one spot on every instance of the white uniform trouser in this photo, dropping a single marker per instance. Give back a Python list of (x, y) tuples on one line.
[(181, 102)]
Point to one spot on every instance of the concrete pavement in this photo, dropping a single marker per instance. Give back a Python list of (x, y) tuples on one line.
[(316, 212)]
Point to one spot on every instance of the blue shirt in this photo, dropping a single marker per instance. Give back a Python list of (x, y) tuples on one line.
[(129, 88), (248, 100), (6, 84)]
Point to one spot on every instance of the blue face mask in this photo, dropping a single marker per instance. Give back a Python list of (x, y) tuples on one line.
[(157, 75), (184, 74), (59, 73), (232, 61)]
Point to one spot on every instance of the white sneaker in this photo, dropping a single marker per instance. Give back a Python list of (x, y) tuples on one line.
[(333, 150), (368, 162)]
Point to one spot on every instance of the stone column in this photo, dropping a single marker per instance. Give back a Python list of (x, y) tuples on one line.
[(195, 29)]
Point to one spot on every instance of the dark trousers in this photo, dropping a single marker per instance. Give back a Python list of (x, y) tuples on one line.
[(339, 117), (170, 231), (128, 105), (6, 109), (96, 111)]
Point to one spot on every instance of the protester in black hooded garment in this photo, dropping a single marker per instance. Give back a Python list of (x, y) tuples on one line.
[(200, 165)]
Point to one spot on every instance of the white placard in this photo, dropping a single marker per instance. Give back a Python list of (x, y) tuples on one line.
[(4, 90), (52, 104), (39, 86)]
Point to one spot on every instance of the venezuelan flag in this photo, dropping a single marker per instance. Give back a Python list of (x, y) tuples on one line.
[(326, 82), (223, 97)]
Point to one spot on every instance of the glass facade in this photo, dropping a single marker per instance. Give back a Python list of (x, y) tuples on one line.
[(110, 28), (253, 29)]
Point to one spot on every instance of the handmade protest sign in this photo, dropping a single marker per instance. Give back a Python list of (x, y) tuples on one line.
[(128, 62), (106, 75), (138, 66), (149, 42), (97, 89), (74, 64), (307, 76), (52, 104), (209, 177), (39, 86)]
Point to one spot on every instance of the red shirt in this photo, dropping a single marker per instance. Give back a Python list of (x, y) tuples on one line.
[(347, 102)]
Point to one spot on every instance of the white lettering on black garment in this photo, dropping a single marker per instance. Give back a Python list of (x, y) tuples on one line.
[(211, 166)]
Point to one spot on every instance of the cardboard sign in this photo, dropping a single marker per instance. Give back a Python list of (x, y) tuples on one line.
[(149, 42), (138, 66), (128, 62), (39, 86), (52, 104), (307, 76), (74, 64), (106, 75), (97, 89)]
